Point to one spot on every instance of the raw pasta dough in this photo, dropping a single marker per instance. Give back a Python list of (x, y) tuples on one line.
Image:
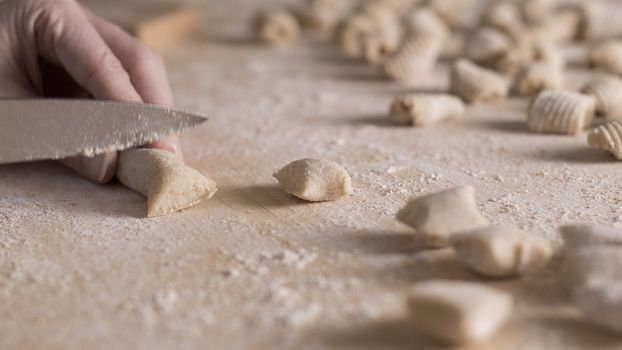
[(458, 312), (437, 216), (426, 109), (501, 251), (608, 137), (315, 180), (164, 179), (560, 112)]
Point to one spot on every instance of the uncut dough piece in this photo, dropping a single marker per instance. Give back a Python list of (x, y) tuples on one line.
[(416, 57), (323, 16), (501, 251), (537, 77), (437, 216), (601, 20), (476, 84), (278, 27), (458, 312), (608, 93), (166, 181), (582, 235), (504, 15), (546, 73), (426, 109), (607, 137), (608, 57), (488, 46), (315, 180), (560, 112), (593, 275), (536, 11)]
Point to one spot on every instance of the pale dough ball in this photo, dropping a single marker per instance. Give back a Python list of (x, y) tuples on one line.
[(437, 216), (315, 180), (458, 312), (501, 251)]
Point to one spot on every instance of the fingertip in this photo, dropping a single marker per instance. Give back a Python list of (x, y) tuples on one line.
[(99, 169), (170, 144)]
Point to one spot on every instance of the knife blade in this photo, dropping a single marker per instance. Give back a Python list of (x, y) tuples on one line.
[(41, 129)]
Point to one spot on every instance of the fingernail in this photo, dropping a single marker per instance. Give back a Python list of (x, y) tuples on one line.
[(95, 167), (174, 147)]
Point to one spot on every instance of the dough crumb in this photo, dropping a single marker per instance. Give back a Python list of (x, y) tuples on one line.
[(315, 180), (164, 179), (437, 216), (458, 312), (501, 251)]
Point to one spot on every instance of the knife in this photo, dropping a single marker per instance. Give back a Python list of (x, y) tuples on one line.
[(41, 129)]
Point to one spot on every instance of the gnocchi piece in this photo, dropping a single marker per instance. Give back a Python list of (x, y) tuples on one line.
[(598, 263), (560, 112), (426, 109), (607, 137), (437, 216), (537, 77), (278, 27), (546, 73), (416, 56), (458, 14), (593, 276), (504, 15), (476, 84), (488, 46), (537, 11), (458, 312), (608, 57), (500, 251), (601, 20), (583, 235), (323, 16), (166, 181), (315, 180), (364, 31), (559, 27), (607, 90), (425, 22)]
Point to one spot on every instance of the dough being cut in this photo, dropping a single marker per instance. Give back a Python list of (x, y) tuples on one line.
[(437, 216), (458, 312), (501, 251), (315, 180), (166, 181)]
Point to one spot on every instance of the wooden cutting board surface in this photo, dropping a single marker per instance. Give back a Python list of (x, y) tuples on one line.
[(80, 266)]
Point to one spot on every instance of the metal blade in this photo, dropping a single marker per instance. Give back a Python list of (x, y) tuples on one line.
[(53, 129)]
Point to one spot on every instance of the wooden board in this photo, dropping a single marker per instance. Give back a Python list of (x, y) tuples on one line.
[(80, 266)]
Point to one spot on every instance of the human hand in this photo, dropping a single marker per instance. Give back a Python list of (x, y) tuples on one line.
[(56, 48)]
